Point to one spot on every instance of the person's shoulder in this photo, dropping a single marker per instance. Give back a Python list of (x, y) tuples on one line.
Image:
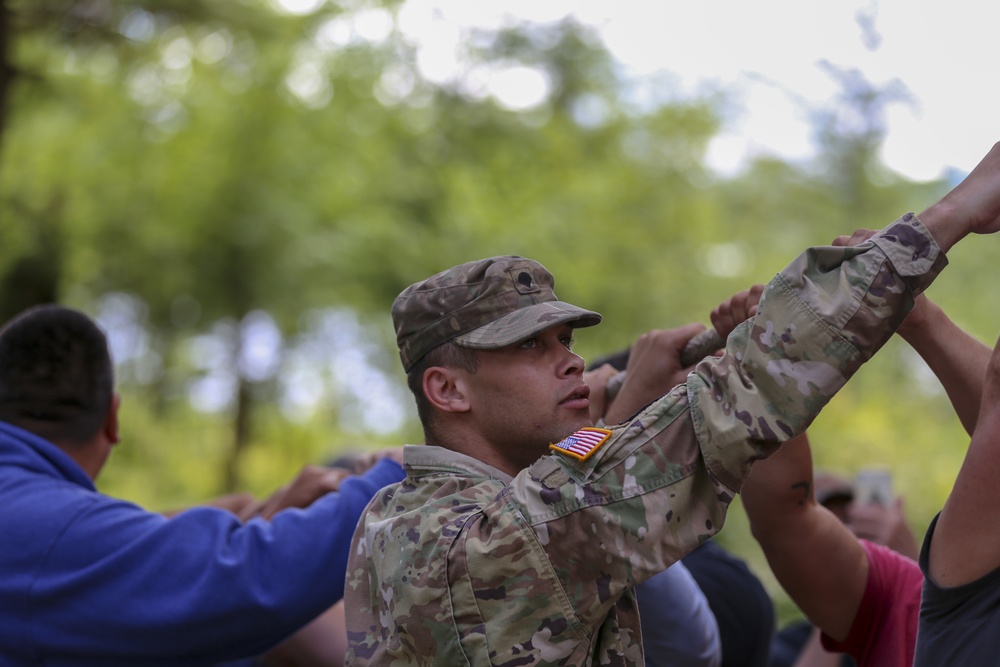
[(892, 573), (883, 558), (427, 494)]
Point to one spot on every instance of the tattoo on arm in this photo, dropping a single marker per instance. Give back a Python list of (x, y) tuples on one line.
[(805, 486)]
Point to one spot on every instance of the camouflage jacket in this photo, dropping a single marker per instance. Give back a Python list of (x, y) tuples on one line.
[(460, 564)]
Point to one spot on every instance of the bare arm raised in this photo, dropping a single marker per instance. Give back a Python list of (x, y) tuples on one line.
[(956, 357), (654, 364), (961, 550), (972, 207), (815, 557)]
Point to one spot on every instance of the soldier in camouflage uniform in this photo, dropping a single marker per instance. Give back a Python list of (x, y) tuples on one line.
[(520, 531)]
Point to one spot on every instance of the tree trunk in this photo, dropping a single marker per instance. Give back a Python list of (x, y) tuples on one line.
[(241, 436)]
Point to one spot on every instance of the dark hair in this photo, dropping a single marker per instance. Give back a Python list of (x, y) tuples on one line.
[(448, 355), (56, 376)]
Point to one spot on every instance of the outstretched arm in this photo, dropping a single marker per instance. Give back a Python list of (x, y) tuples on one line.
[(972, 207), (961, 550), (654, 363), (816, 559), (311, 483), (654, 368), (955, 357)]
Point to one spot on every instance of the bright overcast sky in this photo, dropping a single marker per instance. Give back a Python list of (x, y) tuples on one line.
[(767, 52)]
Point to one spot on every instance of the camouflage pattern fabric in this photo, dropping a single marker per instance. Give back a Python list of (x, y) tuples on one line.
[(461, 565), (485, 305)]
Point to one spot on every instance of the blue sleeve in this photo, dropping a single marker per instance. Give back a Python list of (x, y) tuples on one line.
[(125, 583), (678, 627)]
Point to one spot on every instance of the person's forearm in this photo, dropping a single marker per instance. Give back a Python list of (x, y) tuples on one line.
[(960, 550), (942, 220), (973, 206), (956, 358)]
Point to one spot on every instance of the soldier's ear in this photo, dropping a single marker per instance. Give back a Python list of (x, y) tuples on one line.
[(446, 389)]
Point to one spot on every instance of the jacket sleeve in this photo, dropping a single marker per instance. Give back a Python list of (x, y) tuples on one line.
[(129, 584)]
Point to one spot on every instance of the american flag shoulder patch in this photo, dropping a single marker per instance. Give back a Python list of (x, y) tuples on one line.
[(583, 443)]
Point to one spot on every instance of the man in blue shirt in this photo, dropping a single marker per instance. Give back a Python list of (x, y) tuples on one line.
[(92, 580)]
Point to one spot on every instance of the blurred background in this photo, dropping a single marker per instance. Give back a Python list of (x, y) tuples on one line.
[(237, 189)]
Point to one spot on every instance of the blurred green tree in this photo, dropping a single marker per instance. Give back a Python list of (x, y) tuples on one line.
[(258, 168), (242, 191), (239, 192)]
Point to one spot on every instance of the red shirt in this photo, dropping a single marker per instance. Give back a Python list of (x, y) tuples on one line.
[(884, 632)]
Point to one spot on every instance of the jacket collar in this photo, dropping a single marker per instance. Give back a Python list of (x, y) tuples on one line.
[(421, 460), (26, 450)]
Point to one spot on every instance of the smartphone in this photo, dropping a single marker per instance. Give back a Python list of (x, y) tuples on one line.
[(873, 485)]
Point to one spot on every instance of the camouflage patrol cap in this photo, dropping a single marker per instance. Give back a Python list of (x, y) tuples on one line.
[(483, 305)]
